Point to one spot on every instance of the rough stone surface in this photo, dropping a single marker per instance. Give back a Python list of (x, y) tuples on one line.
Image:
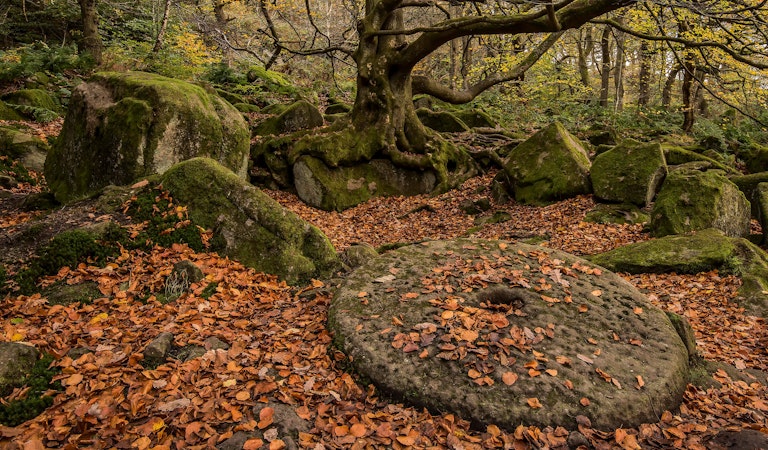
[(475, 118), (26, 148), (66, 294), (8, 113), (442, 121), (16, 361), (692, 200), (631, 172), (699, 252), (187, 270), (748, 185), (675, 155), (339, 188), (122, 126), (551, 165), (159, 348), (620, 214), (254, 228), (441, 318), (301, 115), (286, 422), (36, 98), (761, 202), (356, 255)]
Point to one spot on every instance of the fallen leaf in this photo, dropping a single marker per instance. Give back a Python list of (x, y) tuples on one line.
[(534, 403), (584, 401), (509, 378)]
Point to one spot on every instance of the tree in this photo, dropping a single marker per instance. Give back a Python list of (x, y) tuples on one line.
[(395, 36), (91, 38)]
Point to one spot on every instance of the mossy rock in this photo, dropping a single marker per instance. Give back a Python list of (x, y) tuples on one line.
[(16, 362), (66, 294), (631, 172), (551, 165), (442, 121), (254, 228), (231, 97), (676, 155), (301, 115), (618, 214), (246, 107), (475, 118), (748, 185), (755, 158), (761, 202), (35, 98), (454, 326), (692, 200), (702, 251), (8, 113), (122, 126), (338, 108), (339, 188), (23, 147)]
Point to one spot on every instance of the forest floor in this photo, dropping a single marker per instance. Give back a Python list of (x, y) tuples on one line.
[(281, 354)]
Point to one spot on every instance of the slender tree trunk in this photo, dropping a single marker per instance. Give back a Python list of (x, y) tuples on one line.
[(163, 26), (689, 110), (585, 47), (621, 59), (644, 77), (669, 84), (91, 38), (605, 75)]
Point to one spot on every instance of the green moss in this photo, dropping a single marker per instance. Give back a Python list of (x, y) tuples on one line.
[(299, 116), (36, 98), (631, 172), (692, 200), (209, 290), (619, 214), (676, 155), (442, 121), (18, 411), (15, 170), (8, 113)]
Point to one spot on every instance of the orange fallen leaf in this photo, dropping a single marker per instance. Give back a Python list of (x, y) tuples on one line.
[(534, 403), (597, 292), (266, 416), (358, 430), (638, 310), (243, 396), (584, 401), (406, 440), (74, 380), (253, 444), (509, 378), (551, 372), (640, 382)]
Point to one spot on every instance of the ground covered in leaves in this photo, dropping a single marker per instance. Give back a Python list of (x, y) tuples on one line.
[(280, 352)]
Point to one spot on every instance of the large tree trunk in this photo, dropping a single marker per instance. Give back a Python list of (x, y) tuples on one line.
[(585, 46), (689, 110), (91, 38), (644, 77)]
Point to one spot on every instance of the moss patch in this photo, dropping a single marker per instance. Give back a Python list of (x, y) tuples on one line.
[(631, 172), (18, 411)]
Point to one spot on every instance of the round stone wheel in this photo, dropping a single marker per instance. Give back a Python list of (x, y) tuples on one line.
[(508, 334)]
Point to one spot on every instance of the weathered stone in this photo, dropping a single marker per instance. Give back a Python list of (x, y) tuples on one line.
[(620, 214), (631, 172), (702, 251), (755, 157), (761, 203), (26, 148), (692, 200), (503, 299), (236, 442), (66, 294), (358, 254), (158, 349), (254, 228), (748, 185), (286, 423), (8, 182), (442, 121), (301, 115), (496, 217), (8, 113), (339, 188), (122, 126), (188, 270), (675, 155), (36, 98), (551, 165), (338, 108), (475, 118), (16, 362)]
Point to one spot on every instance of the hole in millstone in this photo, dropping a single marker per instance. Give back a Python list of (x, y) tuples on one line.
[(504, 295)]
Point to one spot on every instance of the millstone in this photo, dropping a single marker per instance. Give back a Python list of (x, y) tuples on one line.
[(508, 334)]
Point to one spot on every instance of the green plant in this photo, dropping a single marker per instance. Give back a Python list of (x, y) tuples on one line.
[(18, 411), (209, 290)]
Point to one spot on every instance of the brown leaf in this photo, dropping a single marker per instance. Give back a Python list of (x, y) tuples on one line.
[(534, 403), (584, 401), (509, 378)]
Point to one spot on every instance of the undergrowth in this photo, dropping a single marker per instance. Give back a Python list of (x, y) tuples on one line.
[(18, 411)]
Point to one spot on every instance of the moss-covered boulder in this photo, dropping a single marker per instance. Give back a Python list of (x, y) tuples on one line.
[(551, 165), (676, 155), (254, 228), (755, 158), (338, 108), (475, 118), (492, 330), (748, 185), (631, 172), (301, 115), (761, 202), (35, 98), (692, 200), (16, 362), (339, 188), (442, 121), (122, 126), (617, 213), (23, 147), (698, 252), (8, 113)]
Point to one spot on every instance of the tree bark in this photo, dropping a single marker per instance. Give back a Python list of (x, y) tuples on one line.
[(689, 110), (585, 46), (605, 74), (621, 58), (644, 77), (669, 84), (91, 38), (163, 27)]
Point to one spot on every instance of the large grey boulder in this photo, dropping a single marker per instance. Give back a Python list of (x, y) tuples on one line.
[(693, 200), (16, 362), (508, 333), (122, 126), (253, 228), (301, 115), (23, 147), (631, 172), (551, 165), (339, 188)]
